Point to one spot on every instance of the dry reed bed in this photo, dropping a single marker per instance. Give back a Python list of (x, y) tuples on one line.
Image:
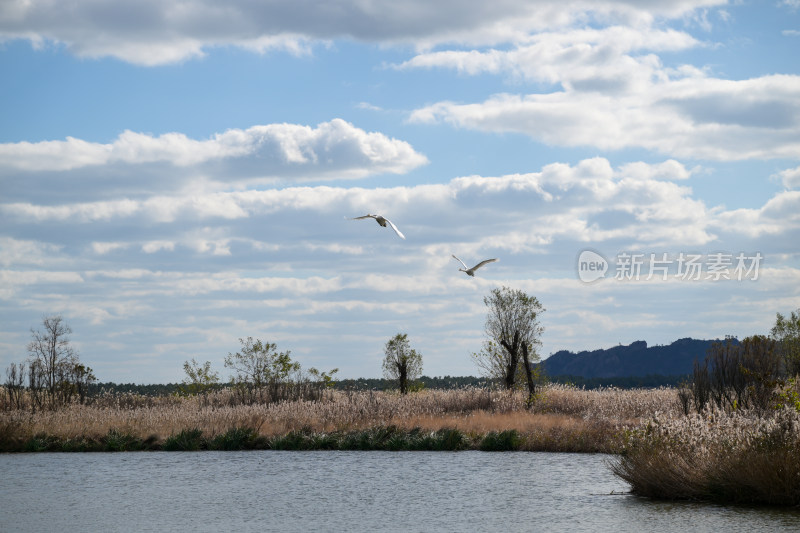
[(626, 406), (740, 456), (562, 418)]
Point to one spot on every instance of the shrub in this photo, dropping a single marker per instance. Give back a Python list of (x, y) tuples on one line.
[(41, 443), (116, 441), (186, 440), (294, 440), (239, 438), (503, 441), (451, 440), (739, 375)]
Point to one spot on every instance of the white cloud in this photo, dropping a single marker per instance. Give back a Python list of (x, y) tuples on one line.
[(368, 106), (588, 201), (615, 93), (151, 33), (778, 217), (83, 212), (21, 252), (12, 278), (783, 206), (291, 230), (587, 59), (790, 178), (233, 282), (152, 247), (332, 149), (690, 117), (670, 170), (123, 274), (102, 248)]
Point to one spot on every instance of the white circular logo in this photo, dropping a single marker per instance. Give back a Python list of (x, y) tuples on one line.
[(591, 266)]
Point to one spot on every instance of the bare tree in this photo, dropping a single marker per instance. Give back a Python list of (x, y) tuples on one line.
[(513, 335), (15, 381), (739, 375), (402, 363), (54, 366), (701, 384), (36, 386)]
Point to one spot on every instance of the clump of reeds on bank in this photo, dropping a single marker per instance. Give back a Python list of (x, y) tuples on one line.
[(734, 457), (739, 441), (562, 419)]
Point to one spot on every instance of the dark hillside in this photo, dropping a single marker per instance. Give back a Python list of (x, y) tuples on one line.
[(635, 359)]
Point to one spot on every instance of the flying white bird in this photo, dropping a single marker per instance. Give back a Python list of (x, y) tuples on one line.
[(471, 271), (382, 221)]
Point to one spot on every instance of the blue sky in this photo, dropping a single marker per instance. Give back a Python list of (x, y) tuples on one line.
[(176, 176)]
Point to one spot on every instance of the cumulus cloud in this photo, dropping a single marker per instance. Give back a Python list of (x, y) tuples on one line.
[(151, 33), (545, 214), (25, 252), (331, 149), (790, 177), (777, 218), (588, 59), (152, 247), (560, 202), (670, 170), (103, 248), (687, 117), (612, 91)]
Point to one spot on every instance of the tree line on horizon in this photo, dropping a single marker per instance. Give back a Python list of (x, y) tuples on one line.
[(424, 382), (736, 374), (54, 376), (263, 374)]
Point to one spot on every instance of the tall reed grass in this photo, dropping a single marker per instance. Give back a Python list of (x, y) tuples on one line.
[(739, 456), (564, 417)]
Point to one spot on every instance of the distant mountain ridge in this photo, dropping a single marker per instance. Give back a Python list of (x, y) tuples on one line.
[(635, 359)]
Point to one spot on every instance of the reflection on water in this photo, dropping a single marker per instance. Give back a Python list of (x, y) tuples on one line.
[(344, 491)]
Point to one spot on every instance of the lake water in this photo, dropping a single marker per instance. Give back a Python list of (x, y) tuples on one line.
[(344, 491)]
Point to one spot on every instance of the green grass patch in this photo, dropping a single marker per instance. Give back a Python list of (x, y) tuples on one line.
[(187, 440), (41, 443), (116, 441), (239, 438), (503, 441), (385, 438)]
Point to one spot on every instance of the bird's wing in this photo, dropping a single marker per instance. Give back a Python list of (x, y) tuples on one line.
[(361, 218), (394, 228), (476, 267), (460, 261)]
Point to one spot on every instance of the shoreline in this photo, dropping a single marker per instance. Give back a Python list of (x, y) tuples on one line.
[(375, 438), (662, 451)]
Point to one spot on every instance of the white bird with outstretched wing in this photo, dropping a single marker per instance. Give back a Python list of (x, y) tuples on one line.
[(471, 271), (382, 221)]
